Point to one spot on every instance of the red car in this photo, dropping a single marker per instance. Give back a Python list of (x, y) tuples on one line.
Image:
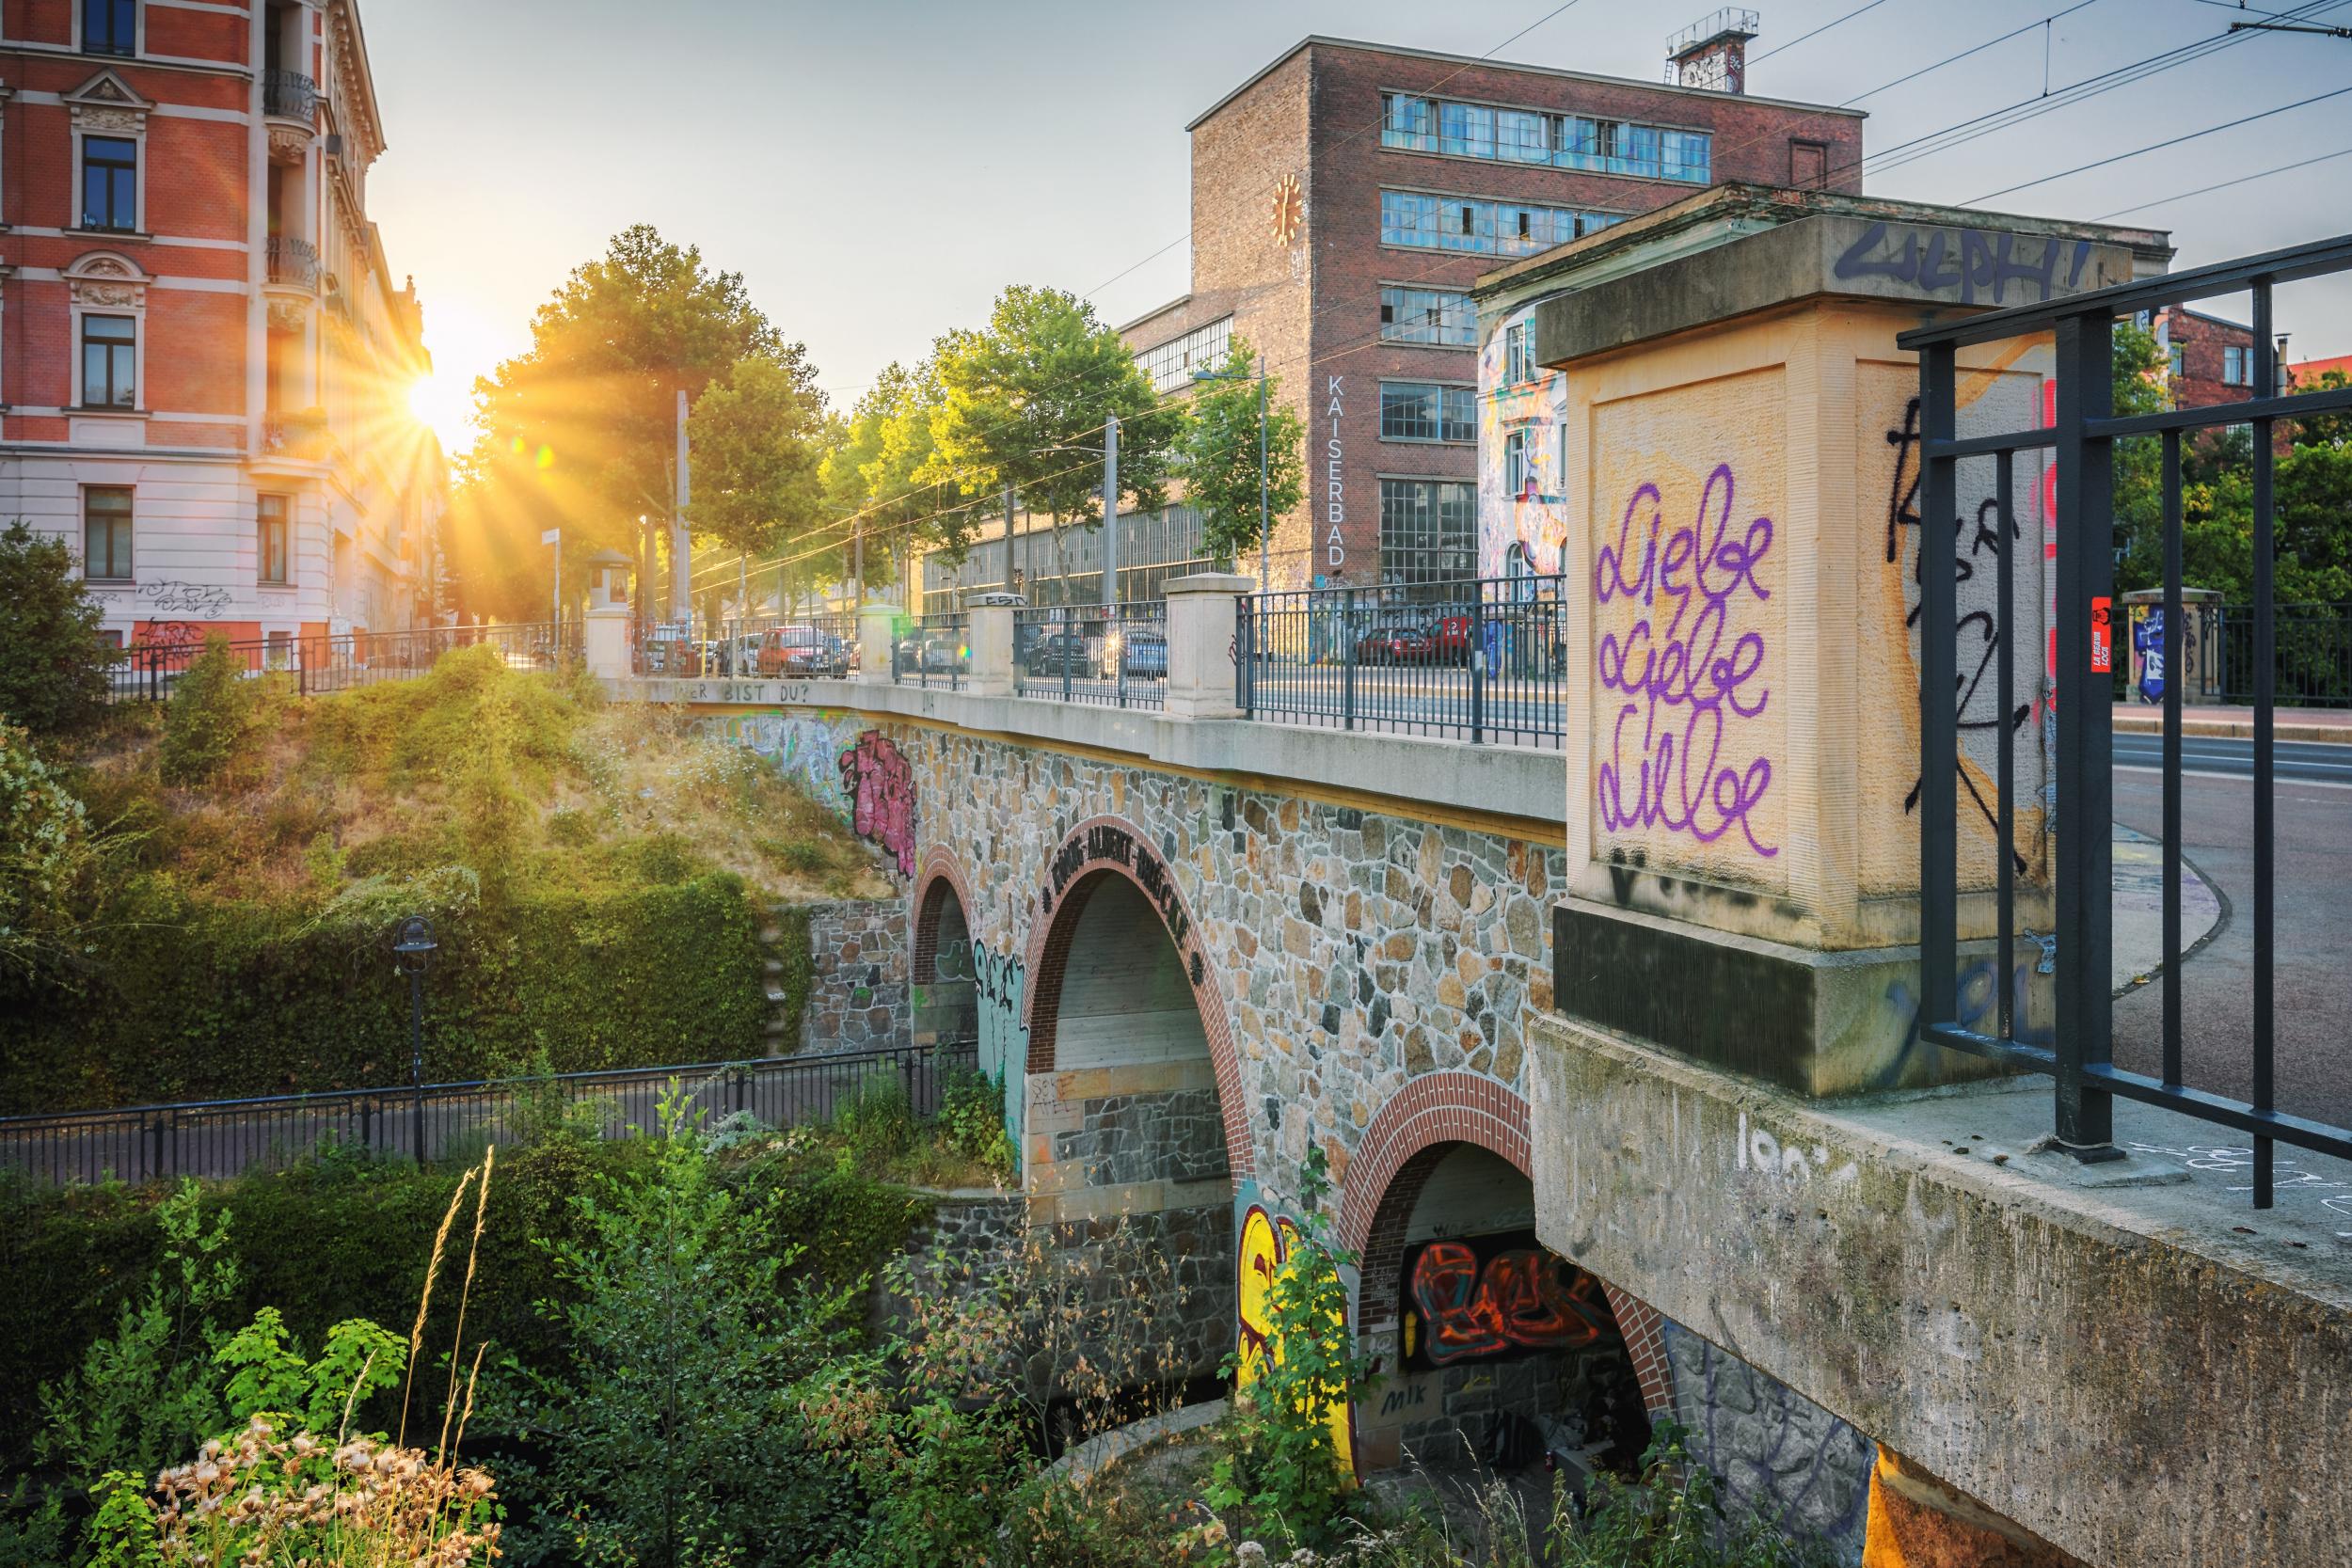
[(1448, 640), (1392, 646)]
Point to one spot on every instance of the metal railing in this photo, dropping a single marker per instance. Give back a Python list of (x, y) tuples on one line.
[(292, 260), (318, 663), (2082, 439), (2312, 654), (289, 94), (1480, 659), (1114, 655), (931, 650), (221, 1138)]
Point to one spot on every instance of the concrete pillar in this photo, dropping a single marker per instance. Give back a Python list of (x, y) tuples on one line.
[(605, 640), (1203, 618), (990, 672), (876, 626)]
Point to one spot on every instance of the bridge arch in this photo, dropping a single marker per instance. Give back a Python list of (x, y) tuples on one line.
[(1098, 855), (1490, 1343), (941, 966)]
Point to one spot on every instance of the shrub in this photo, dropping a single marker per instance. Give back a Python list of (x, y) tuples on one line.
[(52, 660), (209, 717), (46, 850), (971, 1119), (875, 1117)]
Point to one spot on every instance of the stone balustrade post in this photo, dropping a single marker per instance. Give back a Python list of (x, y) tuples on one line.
[(1203, 618), (990, 672), (876, 626), (604, 640)]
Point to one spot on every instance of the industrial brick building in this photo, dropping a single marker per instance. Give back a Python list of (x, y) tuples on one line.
[(1345, 197), (204, 361)]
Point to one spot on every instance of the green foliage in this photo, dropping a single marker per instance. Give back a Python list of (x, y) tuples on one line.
[(145, 1393), (972, 1119), (1279, 1459), (52, 662), (268, 1376), (1672, 1516), (1219, 456), (1023, 400), (875, 1117), (759, 438), (886, 442), (47, 855), (672, 1434), (210, 717)]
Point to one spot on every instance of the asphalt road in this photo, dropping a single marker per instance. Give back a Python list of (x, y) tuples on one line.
[(2311, 954), (2299, 760)]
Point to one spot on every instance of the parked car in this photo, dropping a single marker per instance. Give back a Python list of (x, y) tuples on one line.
[(794, 651), (1392, 646), (1448, 640), (1048, 652), (942, 655), (1144, 653)]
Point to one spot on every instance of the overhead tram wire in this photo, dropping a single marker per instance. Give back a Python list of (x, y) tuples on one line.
[(1868, 5), (2158, 147), (2225, 184)]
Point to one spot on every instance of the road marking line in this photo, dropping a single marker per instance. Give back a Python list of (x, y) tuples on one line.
[(2235, 777)]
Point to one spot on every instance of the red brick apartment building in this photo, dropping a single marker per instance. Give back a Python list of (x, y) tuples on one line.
[(204, 364), (1345, 196), (2208, 359)]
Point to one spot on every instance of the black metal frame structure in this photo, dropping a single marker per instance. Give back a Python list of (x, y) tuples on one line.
[(221, 1138), (317, 663), (1090, 654), (2082, 439)]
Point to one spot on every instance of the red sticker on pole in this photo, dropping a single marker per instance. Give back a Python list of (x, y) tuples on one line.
[(2102, 637)]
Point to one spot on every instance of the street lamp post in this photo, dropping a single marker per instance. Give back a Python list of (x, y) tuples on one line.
[(1265, 571), (411, 952)]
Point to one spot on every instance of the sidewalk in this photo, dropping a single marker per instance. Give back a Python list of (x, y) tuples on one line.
[(2326, 725)]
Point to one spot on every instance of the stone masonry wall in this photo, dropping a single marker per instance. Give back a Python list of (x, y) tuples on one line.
[(1139, 1138), (858, 998)]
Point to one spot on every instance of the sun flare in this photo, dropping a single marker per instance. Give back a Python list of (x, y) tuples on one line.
[(444, 402)]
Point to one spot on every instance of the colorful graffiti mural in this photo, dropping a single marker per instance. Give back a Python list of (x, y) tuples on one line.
[(1493, 1297), (1522, 486), (1001, 987), (881, 795), (805, 745)]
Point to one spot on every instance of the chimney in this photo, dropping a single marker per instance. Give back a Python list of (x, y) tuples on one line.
[(1713, 51)]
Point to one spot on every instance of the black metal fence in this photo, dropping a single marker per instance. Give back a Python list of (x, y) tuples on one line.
[(1480, 659), (2312, 654), (931, 650), (320, 662), (2082, 439), (223, 1139), (1114, 655), (812, 645)]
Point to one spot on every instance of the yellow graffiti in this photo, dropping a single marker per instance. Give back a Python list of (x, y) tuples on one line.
[(1266, 1257)]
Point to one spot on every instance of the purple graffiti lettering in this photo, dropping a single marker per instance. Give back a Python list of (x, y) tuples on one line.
[(1687, 696)]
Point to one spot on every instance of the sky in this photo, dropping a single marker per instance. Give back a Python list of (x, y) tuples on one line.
[(877, 170)]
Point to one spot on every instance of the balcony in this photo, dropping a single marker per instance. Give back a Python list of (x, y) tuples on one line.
[(292, 262), (289, 95), (299, 432)]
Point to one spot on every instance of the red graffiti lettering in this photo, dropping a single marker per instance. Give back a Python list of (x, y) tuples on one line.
[(881, 789), (1521, 1300), (1462, 1318)]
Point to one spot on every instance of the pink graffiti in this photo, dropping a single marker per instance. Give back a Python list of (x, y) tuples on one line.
[(1684, 783), (881, 791)]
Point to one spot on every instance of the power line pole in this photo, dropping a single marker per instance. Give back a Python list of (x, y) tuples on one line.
[(1008, 539), (1265, 566), (680, 600), (1110, 513)]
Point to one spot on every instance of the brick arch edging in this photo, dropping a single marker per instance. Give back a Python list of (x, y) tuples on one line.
[(1400, 1148), (938, 866), (1049, 948)]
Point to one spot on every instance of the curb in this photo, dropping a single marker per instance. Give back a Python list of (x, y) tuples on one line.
[(1090, 1458), (2234, 729)]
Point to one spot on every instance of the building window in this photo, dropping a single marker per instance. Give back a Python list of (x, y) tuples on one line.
[(110, 183), (1422, 411), (1170, 365), (2176, 357), (1428, 531), (1808, 164), (1406, 124), (106, 534), (1428, 316), (1518, 357), (2237, 366), (1418, 124), (270, 538), (109, 358), (1515, 465), (1422, 222), (110, 26)]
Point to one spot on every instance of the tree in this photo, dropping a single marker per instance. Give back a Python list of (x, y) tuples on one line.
[(759, 438), (871, 476), (1219, 456), (581, 426), (1025, 402), (2138, 389), (53, 659)]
